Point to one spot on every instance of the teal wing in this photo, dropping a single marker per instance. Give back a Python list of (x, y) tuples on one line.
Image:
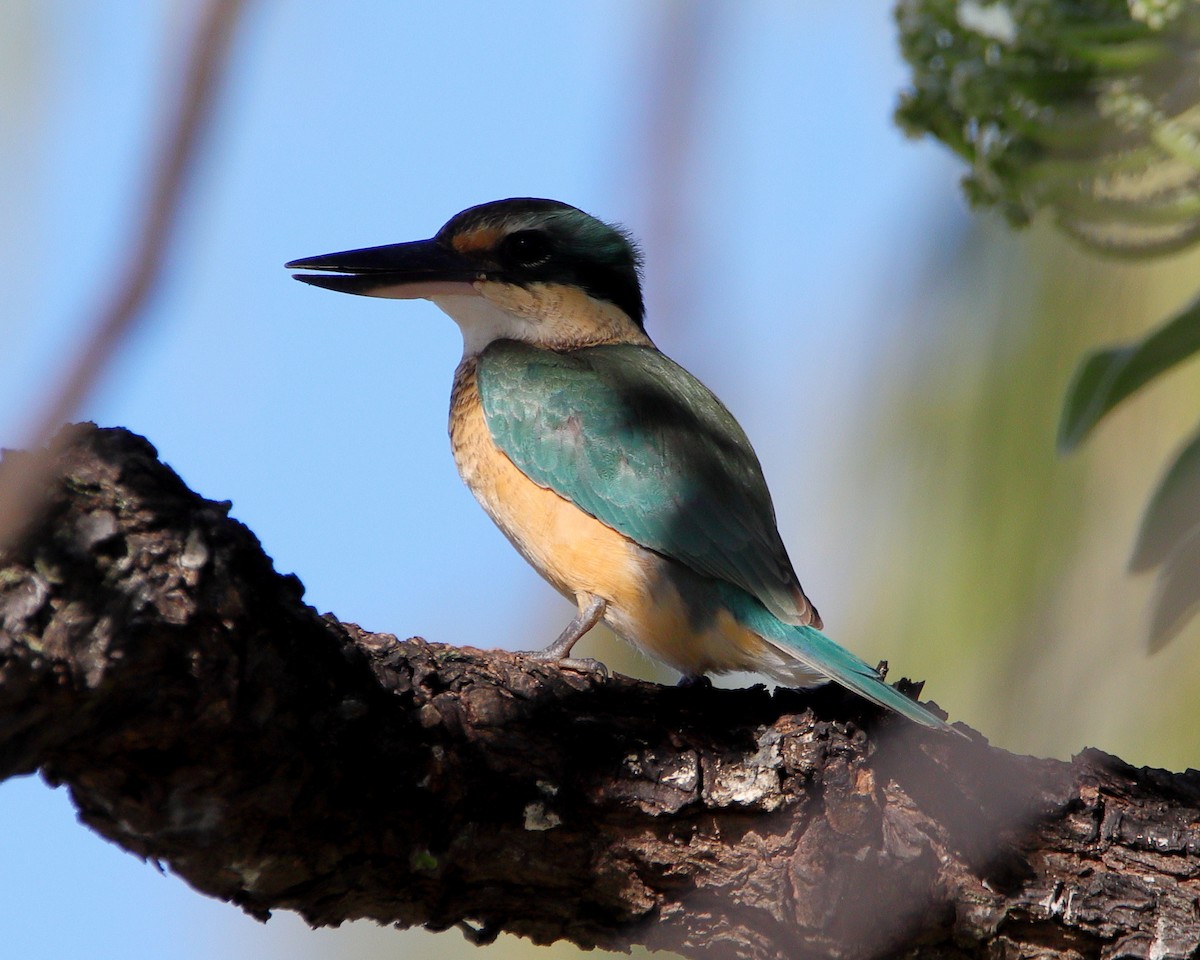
[(636, 441)]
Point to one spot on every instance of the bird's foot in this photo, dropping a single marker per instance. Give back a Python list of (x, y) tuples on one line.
[(591, 610), (578, 664), (688, 682)]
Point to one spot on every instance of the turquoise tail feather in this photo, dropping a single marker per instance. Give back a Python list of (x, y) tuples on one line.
[(819, 653)]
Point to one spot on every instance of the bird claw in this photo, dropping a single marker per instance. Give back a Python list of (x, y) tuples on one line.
[(578, 664), (585, 665)]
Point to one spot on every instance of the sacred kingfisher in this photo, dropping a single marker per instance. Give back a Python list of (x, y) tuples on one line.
[(618, 475)]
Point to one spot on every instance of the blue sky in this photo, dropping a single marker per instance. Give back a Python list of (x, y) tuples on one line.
[(322, 417)]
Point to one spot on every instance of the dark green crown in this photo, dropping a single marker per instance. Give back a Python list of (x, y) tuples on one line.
[(545, 241)]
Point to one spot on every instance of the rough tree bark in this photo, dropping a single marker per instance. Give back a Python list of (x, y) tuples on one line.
[(202, 716)]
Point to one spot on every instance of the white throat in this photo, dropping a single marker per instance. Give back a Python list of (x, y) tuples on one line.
[(481, 321)]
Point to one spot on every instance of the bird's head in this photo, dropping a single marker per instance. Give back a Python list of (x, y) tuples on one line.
[(520, 269)]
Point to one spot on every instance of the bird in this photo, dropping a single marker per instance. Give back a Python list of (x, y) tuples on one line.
[(612, 470)]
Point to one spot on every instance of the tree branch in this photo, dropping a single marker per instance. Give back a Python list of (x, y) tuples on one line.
[(203, 716)]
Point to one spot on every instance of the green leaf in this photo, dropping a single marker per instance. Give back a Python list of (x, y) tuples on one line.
[(1173, 512), (1177, 599), (1107, 377)]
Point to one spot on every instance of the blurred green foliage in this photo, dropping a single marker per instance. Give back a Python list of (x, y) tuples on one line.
[(993, 568), (1089, 110), (1085, 108), (1108, 376)]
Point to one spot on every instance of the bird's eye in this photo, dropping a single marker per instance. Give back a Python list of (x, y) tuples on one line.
[(526, 248)]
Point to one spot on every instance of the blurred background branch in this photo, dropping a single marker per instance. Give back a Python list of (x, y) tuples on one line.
[(141, 267)]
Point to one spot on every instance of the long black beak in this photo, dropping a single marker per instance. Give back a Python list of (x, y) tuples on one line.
[(403, 271)]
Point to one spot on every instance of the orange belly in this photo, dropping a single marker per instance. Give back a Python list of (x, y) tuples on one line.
[(645, 592)]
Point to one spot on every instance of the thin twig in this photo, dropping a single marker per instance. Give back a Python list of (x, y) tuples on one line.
[(22, 485), (684, 49)]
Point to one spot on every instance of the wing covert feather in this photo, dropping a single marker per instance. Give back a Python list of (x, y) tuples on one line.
[(633, 439)]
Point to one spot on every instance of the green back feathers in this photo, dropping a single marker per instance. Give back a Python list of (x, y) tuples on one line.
[(636, 441)]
